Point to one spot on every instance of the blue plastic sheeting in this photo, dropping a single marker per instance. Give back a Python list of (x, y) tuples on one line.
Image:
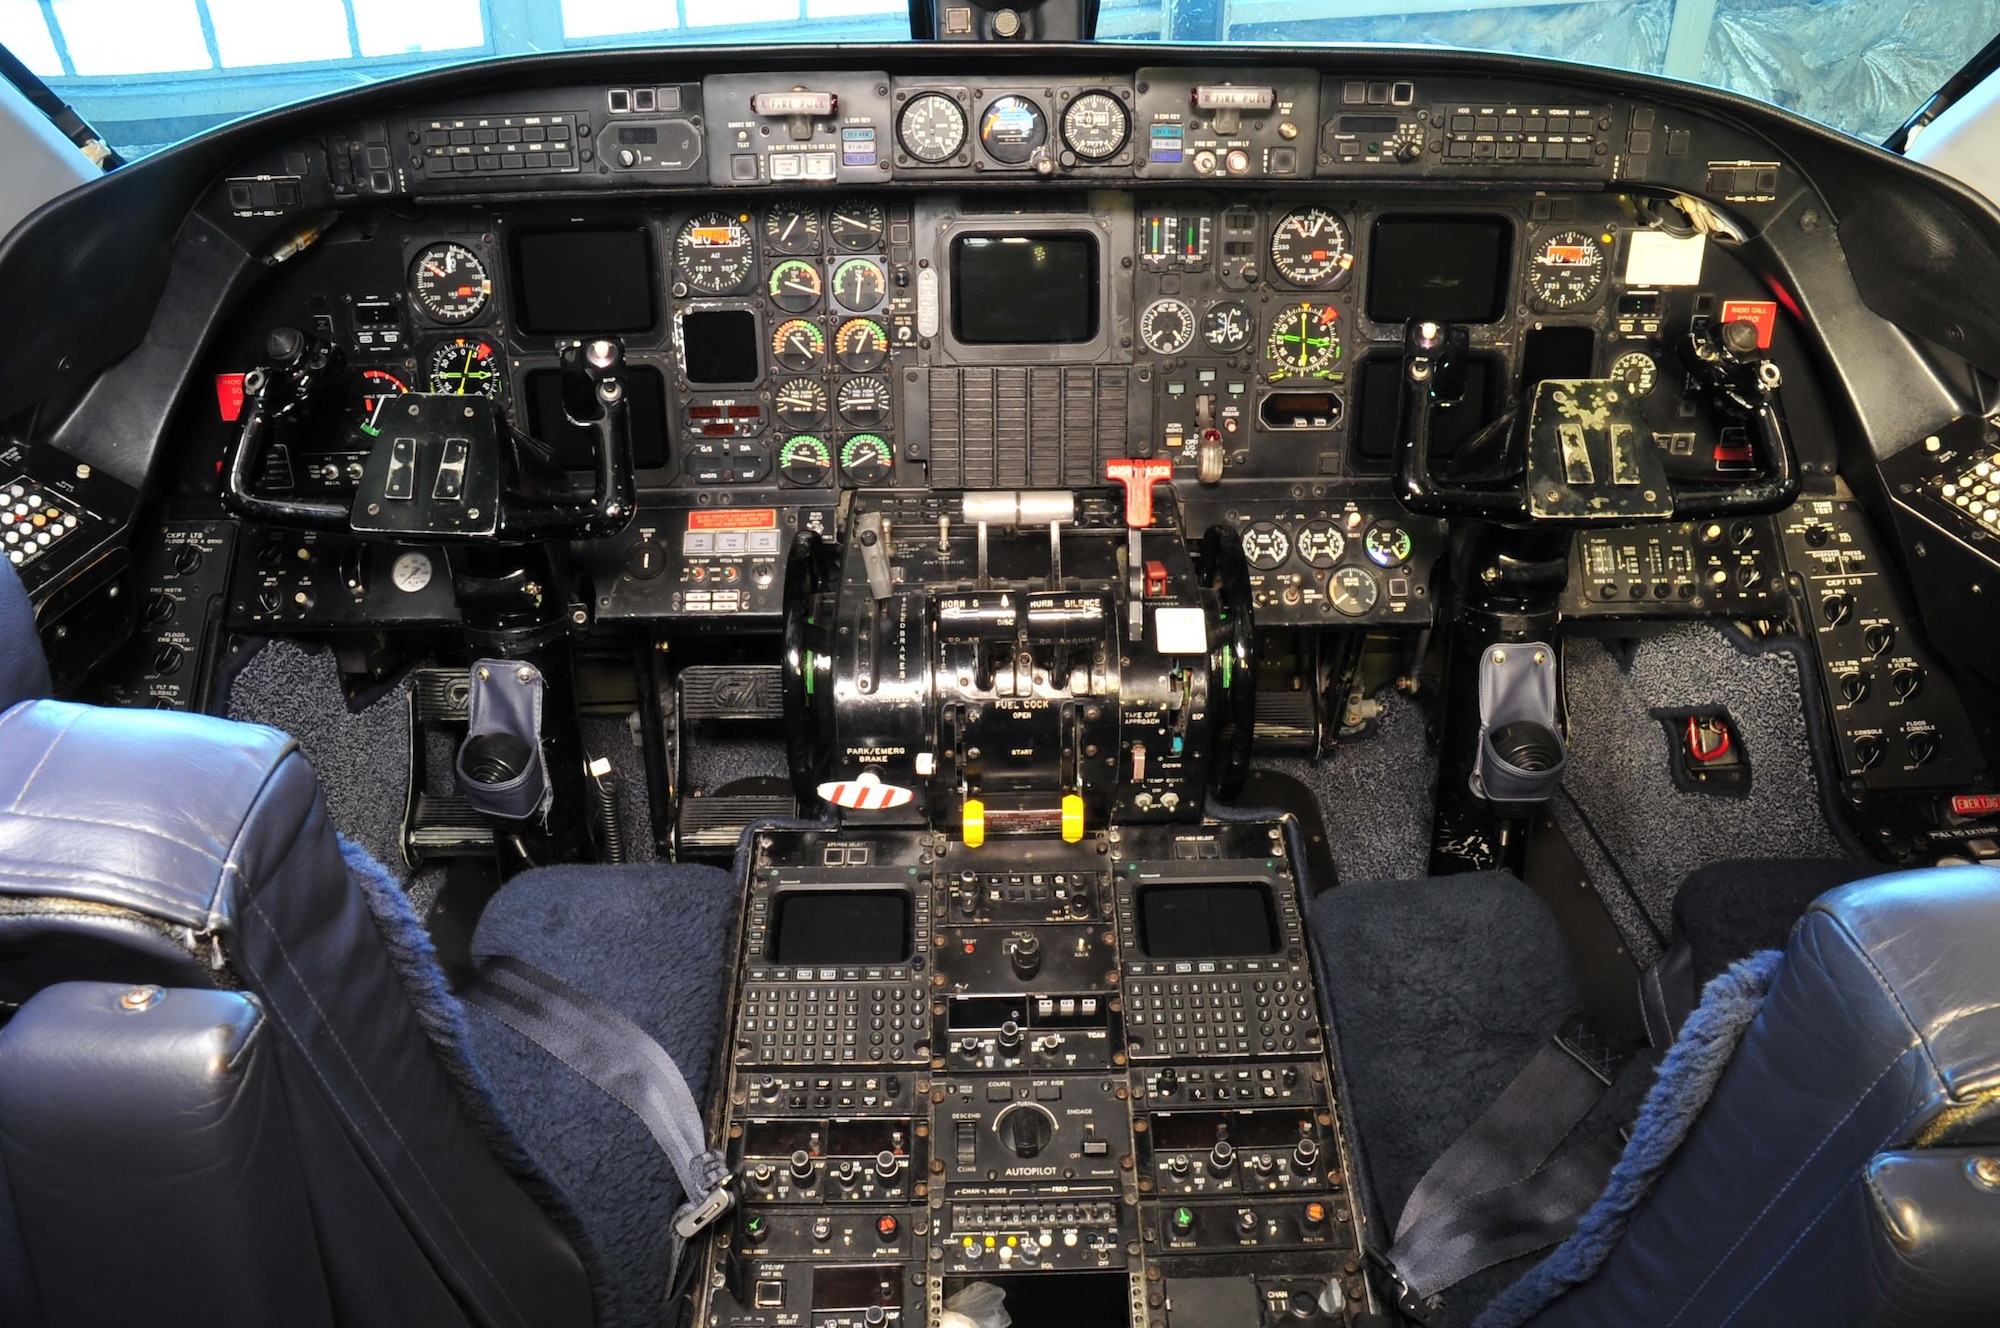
[(1859, 65)]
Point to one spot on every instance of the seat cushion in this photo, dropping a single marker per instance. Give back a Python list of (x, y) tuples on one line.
[(653, 942), (24, 671), (1729, 910), (1440, 991)]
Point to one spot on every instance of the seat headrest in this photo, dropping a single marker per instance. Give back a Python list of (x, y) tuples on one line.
[(24, 671)]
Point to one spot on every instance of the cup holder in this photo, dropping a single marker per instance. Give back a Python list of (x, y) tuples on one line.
[(495, 758), (1524, 762), (500, 767)]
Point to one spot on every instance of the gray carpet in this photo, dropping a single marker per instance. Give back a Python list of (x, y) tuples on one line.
[(362, 758), (1375, 794), (1637, 835)]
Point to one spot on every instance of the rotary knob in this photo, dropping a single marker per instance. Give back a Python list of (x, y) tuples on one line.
[(1009, 1037), (1221, 1158), (1305, 1157), (802, 1167), (1024, 953), (1026, 1129)]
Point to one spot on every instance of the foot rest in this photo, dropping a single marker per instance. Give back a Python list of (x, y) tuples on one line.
[(710, 827), (711, 691), (443, 827)]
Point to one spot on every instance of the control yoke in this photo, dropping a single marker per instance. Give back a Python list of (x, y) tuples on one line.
[(1590, 457), (439, 467)]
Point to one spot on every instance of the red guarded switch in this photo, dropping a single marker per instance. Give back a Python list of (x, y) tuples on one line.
[(1156, 579)]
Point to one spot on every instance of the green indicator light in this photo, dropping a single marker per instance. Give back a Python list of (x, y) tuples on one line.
[(1183, 1219)]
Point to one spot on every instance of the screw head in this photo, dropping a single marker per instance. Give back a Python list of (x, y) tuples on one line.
[(524, 675), (1985, 1171), (142, 998)]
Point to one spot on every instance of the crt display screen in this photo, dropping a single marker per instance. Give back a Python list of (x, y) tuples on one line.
[(1207, 920), (840, 927), (1444, 269), (575, 446), (720, 346), (584, 282), (1023, 290)]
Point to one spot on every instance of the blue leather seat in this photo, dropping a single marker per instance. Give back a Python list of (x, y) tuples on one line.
[(236, 1070)]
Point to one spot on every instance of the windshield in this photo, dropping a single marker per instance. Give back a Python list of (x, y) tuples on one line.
[(150, 72)]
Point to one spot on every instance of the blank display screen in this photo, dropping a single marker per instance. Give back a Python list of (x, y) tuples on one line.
[(841, 927), (585, 281), (1444, 269), (720, 346), (1208, 920), (1023, 290), (576, 446)]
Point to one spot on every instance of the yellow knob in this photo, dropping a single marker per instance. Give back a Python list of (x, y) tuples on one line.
[(972, 826), (1072, 817)]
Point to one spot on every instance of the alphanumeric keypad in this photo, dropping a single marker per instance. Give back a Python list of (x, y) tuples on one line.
[(1220, 1016), (800, 1024)]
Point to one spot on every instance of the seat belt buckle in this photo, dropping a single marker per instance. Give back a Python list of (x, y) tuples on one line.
[(693, 1219)]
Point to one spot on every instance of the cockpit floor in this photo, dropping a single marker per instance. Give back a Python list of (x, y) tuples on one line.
[(1639, 835)]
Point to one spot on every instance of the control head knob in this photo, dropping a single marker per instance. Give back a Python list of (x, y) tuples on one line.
[(1409, 150), (802, 1167), (822, 1228), (1178, 1164), (1027, 1130), (1221, 1158), (1853, 686), (1168, 1082), (1868, 751), (1246, 1221), (1263, 1163), (284, 344), (1024, 953), (1907, 682), (1306, 1156), (1838, 607), (848, 1171), (1922, 747), (874, 1315), (1009, 1036), (1740, 336), (887, 1164), (1879, 637)]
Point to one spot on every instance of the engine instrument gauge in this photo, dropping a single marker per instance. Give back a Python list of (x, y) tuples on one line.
[(1637, 370), (799, 403), (857, 226), (1226, 327), (863, 402), (1387, 544), (1265, 545), (866, 459), (805, 460), (860, 345), (1353, 591), (377, 387), (1167, 327), (1011, 128), (796, 285), (465, 366), (1304, 340), (931, 128), (713, 251), (1310, 247), (1095, 126), (449, 283), (798, 344), (1567, 271), (792, 227), (1320, 543), (859, 284)]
